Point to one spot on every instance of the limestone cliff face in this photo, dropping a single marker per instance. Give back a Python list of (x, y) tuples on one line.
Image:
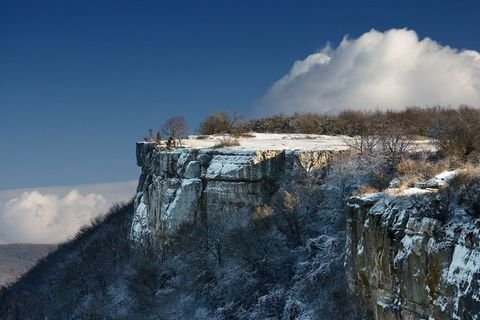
[(194, 185), (412, 265), (406, 258)]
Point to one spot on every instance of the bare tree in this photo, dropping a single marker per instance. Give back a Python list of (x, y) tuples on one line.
[(381, 136), (175, 127), (236, 124), (395, 143), (286, 215), (366, 143), (366, 140)]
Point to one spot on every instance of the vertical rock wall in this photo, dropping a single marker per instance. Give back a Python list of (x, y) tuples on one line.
[(194, 185), (409, 264)]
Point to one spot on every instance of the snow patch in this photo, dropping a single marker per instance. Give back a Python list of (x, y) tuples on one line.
[(372, 197), (275, 141), (465, 263), (410, 244), (187, 182), (140, 223), (438, 181), (414, 191), (442, 302)]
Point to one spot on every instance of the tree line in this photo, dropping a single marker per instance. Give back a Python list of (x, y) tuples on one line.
[(453, 130)]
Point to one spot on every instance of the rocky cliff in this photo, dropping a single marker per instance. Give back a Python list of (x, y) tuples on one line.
[(409, 259), (411, 254), (190, 185)]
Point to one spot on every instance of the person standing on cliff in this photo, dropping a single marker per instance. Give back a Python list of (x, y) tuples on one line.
[(158, 138), (170, 143)]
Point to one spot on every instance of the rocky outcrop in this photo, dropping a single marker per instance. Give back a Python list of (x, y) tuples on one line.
[(408, 261), (188, 185), (411, 254)]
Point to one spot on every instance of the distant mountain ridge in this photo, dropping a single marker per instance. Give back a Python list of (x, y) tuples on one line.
[(16, 259)]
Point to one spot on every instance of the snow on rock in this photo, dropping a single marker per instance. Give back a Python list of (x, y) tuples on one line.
[(438, 181), (184, 205), (395, 183), (409, 262), (464, 274), (371, 197), (410, 244), (185, 185), (193, 170), (140, 226), (465, 264)]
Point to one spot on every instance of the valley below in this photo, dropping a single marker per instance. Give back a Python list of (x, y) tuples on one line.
[(16, 259)]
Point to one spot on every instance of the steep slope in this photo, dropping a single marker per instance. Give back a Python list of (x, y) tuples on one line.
[(65, 284)]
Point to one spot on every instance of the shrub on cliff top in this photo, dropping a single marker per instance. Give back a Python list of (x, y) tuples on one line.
[(227, 141), (467, 183), (222, 123)]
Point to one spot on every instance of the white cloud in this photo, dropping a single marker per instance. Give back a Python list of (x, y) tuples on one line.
[(50, 215), (378, 70)]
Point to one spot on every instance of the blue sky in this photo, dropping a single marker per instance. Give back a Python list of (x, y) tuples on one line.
[(81, 81)]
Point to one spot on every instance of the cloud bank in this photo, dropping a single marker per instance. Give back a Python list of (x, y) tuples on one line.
[(52, 215), (379, 70)]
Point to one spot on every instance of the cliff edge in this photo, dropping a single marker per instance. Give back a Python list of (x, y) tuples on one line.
[(194, 184)]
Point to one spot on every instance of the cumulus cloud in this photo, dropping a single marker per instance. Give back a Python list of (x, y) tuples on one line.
[(379, 70), (51, 215)]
